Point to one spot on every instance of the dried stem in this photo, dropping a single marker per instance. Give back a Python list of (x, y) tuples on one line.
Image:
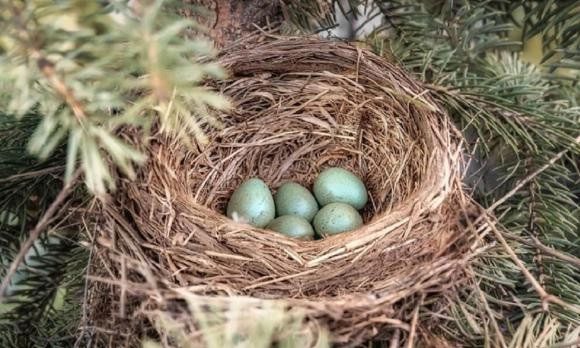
[(33, 173), (572, 344), (411, 339), (395, 339)]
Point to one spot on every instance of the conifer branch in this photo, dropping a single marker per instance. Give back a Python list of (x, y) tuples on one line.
[(35, 233), (549, 251), (544, 296), (48, 70), (104, 72), (532, 175)]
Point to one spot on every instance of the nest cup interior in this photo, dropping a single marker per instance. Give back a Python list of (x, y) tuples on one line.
[(292, 119)]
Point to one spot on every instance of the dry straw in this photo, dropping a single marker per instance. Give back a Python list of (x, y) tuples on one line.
[(300, 105)]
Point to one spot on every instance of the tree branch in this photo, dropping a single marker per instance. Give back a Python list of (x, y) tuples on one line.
[(47, 69), (546, 249), (529, 178), (35, 233), (545, 297), (32, 173)]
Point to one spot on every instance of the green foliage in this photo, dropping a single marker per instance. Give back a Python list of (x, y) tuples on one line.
[(555, 23), (558, 23), (542, 330), (27, 186), (44, 297), (310, 15), (90, 70), (42, 300), (74, 73)]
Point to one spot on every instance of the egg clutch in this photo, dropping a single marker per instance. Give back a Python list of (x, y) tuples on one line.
[(296, 212)]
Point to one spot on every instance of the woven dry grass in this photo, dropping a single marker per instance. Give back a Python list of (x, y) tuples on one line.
[(300, 105)]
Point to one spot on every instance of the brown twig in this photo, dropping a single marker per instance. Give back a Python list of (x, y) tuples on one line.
[(395, 339), (545, 297), (490, 314), (536, 243), (32, 173), (572, 344), (48, 70), (414, 323), (529, 178), (35, 233), (46, 67)]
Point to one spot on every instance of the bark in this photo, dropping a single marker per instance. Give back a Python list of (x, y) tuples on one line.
[(228, 20)]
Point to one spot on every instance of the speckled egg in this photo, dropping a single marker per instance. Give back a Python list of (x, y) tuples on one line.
[(336, 218), (252, 203), (294, 199), (292, 226), (337, 185)]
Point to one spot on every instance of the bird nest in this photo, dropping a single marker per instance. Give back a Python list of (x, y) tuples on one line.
[(299, 105)]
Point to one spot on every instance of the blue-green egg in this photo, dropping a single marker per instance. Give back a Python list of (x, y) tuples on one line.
[(292, 226), (337, 185), (336, 218), (294, 199), (252, 203)]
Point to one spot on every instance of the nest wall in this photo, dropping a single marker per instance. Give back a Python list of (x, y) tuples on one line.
[(299, 105)]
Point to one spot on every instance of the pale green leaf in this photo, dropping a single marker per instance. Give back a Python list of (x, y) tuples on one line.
[(42, 134), (97, 176), (123, 155), (54, 140), (173, 30), (72, 152), (215, 100)]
